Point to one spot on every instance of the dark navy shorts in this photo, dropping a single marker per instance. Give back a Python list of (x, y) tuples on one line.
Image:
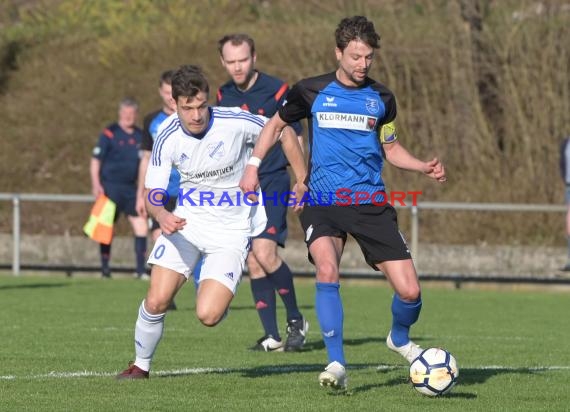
[(375, 229), (124, 196), (275, 187)]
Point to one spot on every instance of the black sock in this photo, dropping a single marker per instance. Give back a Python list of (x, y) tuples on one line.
[(264, 298), (282, 280), (105, 257), (140, 251)]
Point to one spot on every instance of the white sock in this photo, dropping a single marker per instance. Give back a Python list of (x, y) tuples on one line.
[(148, 331)]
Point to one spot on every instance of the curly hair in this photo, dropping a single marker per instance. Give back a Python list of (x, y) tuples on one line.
[(356, 28), (188, 81)]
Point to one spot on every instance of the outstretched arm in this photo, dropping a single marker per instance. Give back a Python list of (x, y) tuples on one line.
[(397, 155), (274, 130)]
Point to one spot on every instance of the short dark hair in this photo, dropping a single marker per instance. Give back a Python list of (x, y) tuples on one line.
[(188, 81), (166, 77), (236, 39), (356, 28)]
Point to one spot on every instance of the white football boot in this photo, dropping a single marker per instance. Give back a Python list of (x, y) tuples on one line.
[(334, 376), (410, 351)]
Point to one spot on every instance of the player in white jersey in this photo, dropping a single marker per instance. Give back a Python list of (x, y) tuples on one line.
[(210, 147)]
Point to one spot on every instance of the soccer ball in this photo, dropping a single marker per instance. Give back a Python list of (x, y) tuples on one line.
[(434, 372)]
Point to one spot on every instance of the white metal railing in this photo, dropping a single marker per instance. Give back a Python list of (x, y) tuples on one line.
[(17, 198)]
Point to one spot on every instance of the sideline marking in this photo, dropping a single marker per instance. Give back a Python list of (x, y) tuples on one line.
[(278, 369)]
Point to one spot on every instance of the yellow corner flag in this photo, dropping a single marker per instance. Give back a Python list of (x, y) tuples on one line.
[(99, 227)]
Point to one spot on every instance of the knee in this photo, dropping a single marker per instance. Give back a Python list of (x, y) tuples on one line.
[(255, 270), (410, 293), (267, 258), (155, 306), (327, 273), (209, 317)]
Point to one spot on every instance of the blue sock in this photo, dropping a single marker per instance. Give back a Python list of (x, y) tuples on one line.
[(264, 298), (328, 305), (404, 315), (282, 280), (196, 271), (140, 252)]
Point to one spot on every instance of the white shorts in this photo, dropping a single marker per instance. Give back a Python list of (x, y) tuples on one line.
[(224, 260)]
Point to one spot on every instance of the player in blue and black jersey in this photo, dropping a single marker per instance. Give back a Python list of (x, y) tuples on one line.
[(151, 124), (114, 171), (351, 130), (262, 94)]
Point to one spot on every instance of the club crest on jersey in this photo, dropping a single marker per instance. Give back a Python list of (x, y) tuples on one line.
[(216, 150), (372, 105)]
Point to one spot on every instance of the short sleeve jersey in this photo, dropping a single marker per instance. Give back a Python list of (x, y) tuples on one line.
[(263, 98), (211, 165), (345, 152), (151, 124), (118, 152)]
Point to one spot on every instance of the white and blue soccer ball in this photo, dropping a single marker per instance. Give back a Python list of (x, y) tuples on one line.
[(434, 372)]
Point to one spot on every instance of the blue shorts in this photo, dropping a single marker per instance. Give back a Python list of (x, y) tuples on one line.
[(568, 194), (274, 186), (124, 196)]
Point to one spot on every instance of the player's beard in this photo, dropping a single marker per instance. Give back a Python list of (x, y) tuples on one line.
[(351, 76), (358, 77), (246, 81)]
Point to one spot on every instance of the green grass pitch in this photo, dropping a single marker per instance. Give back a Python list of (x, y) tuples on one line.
[(62, 340)]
